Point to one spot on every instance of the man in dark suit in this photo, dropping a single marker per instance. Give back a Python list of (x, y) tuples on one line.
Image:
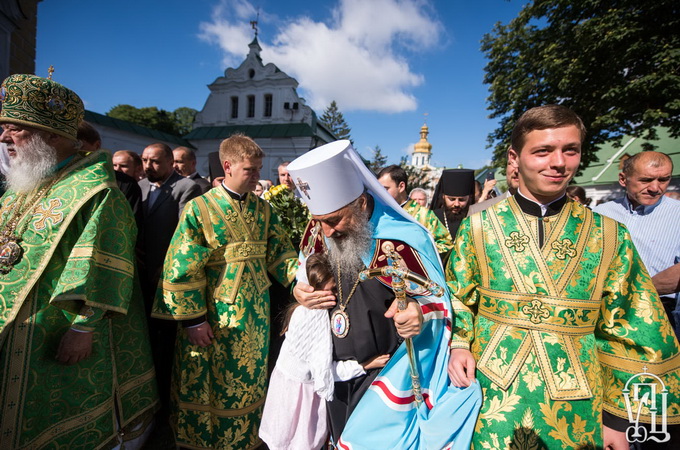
[(164, 194), (185, 165)]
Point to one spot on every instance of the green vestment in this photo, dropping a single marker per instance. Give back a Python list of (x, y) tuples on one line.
[(77, 271), (556, 330), (217, 267), (427, 218)]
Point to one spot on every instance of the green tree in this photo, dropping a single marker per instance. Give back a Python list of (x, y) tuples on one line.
[(151, 117), (335, 121), (377, 161), (417, 177), (615, 62), (184, 119)]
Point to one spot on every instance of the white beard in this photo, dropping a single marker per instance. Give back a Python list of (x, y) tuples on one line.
[(347, 253), (32, 164)]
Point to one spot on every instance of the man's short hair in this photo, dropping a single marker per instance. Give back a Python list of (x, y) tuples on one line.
[(239, 147), (134, 155), (88, 133), (190, 153), (283, 164), (167, 151), (396, 173), (542, 118), (654, 159)]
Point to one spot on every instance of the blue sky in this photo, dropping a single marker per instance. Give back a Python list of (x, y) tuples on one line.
[(387, 63)]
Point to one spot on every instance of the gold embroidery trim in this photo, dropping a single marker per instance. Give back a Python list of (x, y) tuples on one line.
[(610, 244), (506, 378), (479, 247), (644, 418), (582, 389), (186, 286), (575, 260), (509, 308), (634, 366), (222, 412)]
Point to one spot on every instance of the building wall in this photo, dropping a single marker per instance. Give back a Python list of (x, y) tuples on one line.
[(18, 25)]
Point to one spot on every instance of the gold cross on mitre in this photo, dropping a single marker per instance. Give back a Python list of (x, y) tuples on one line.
[(50, 71), (303, 186)]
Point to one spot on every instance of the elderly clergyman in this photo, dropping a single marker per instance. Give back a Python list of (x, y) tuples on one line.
[(76, 370), (360, 225)]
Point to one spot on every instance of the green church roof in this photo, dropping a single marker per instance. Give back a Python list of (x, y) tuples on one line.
[(606, 170)]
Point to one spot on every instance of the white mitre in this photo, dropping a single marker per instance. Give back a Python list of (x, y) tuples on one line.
[(332, 176)]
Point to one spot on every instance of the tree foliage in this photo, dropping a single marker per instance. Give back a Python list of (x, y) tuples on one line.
[(177, 122), (417, 177), (377, 161), (335, 121), (614, 62)]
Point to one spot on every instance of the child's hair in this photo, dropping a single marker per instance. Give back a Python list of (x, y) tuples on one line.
[(318, 274), (318, 270)]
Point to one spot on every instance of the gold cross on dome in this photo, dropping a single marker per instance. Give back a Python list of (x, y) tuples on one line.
[(50, 71), (303, 186)]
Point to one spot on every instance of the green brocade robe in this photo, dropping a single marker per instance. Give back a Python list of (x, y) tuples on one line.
[(77, 271), (217, 267), (556, 331), (427, 218)]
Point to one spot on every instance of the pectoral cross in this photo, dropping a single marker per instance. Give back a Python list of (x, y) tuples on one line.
[(303, 186)]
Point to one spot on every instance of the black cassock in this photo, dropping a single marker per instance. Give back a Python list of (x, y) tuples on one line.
[(370, 334)]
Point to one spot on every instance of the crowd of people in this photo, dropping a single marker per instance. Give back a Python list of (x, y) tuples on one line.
[(135, 294)]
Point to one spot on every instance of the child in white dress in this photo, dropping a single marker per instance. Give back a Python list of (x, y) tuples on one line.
[(294, 416)]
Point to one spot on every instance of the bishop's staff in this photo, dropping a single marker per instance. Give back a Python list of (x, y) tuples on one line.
[(398, 276)]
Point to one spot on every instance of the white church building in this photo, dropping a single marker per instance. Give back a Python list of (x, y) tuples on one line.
[(255, 99)]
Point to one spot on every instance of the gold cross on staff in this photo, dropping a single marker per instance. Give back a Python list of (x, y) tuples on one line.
[(303, 186)]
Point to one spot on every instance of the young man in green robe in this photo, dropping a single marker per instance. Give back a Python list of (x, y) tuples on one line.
[(215, 285), (75, 367), (555, 311)]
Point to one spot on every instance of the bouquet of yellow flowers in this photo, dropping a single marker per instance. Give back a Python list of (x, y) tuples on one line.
[(291, 210)]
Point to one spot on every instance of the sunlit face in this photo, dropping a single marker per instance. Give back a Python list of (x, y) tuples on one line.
[(547, 162), (15, 135), (419, 197), (646, 184), (285, 178), (122, 162), (456, 205), (512, 177), (157, 166), (340, 223), (397, 191), (242, 176), (183, 164)]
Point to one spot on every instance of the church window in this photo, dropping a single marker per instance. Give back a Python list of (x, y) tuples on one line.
[(251, 106), (267, 105), (234, 107), (251, 73)]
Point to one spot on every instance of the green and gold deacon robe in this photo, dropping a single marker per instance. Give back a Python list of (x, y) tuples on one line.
[(427, 218), (77, 271), (217, 267), (556, 330)]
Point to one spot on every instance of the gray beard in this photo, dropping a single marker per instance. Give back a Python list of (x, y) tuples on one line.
[(32, 164), (346, 254)]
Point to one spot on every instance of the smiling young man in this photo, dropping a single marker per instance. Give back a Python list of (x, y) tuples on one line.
[(215, 284), (553, 308)]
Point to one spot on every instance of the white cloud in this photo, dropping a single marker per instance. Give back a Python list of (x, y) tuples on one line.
[(359, 57)]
